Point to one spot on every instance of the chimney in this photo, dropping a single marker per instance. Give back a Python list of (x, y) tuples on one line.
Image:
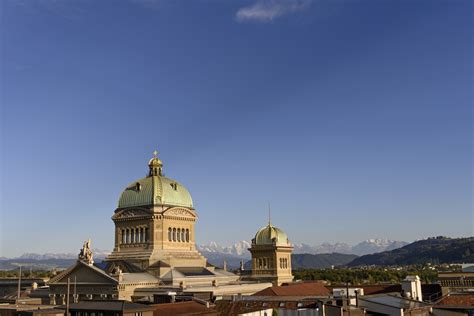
[(411, 287)]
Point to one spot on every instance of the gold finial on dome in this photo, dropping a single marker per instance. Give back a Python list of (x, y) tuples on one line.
[(269, 215), (156, 165)]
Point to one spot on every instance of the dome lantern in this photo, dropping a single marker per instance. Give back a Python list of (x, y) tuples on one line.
[(155, 165)]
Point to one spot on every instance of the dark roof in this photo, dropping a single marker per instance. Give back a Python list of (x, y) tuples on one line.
[(183, 308), (461, 299), (24, 282), (240, 307), (48, 311), (124, 265), (296, 289), (194, 271), (104, 305), (394, 301), (160, 264), (225, 307)]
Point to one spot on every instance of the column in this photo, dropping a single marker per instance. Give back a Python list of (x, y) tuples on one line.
[(52, 299)]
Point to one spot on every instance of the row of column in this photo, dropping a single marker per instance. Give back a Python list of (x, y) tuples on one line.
[(178, 234), (135, 235), (263, 263), (283, 263), (60, 299)]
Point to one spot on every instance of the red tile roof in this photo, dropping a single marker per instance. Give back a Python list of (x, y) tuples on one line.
[(296, 289), (457, 300), (183, 308)]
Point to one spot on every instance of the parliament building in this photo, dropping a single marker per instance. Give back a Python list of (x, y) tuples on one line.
[(155, 251)]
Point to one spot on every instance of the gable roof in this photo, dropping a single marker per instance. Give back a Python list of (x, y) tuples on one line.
[(102, 276), (296, 289)]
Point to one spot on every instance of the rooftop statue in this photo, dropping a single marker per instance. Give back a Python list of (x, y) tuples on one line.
[(85, 254)]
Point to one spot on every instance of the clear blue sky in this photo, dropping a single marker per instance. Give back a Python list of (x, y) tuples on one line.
[(352, 117)]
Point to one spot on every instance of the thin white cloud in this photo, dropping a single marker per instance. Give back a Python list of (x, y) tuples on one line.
[(268, 10)]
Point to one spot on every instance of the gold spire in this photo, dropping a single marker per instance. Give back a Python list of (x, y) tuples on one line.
[(155, 165)]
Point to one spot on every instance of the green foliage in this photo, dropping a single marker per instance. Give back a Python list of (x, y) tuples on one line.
[(365, 276), (26, 274)]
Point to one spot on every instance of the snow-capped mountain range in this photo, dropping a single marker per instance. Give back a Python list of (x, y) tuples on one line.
[(240, 249), (99, 254), (369, 246)]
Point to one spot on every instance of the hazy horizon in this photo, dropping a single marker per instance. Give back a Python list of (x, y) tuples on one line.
[(353, 118)]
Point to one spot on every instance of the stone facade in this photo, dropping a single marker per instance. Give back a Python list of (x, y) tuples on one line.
[(271, 256)]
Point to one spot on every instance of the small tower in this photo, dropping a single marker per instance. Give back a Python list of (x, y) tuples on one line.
[(271, 255)]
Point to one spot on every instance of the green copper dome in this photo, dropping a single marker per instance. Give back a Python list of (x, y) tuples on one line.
[(155, 189), (271, 235)]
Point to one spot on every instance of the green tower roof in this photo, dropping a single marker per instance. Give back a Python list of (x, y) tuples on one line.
[(155, 189), (271, 235)]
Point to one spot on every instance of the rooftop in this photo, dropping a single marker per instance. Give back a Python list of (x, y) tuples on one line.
[(316, 288)]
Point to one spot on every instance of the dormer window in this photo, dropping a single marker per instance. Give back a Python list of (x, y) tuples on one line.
[(174, 185), (138, 186)]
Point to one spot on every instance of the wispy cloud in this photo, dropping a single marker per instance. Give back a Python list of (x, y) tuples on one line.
[(268, 10)]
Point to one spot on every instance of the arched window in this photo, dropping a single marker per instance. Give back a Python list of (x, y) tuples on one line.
[(169, 234), (123, 236), (137, 235), (179, 234), (187, 235), (174, 234), (132, 236), (183, 235)]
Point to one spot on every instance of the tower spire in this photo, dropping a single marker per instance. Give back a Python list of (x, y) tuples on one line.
[(269, 214)]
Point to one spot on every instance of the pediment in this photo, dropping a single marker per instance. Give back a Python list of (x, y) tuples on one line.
[(83, 273), (179, 212), (131, 213)]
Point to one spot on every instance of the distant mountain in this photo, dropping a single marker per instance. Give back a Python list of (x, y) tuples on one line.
[(216, 254), (35, 264), (322, 248), (239, 249), (363, 248), (370, 246), (47, 261), (434, 250), (99, 254), (320, 261)]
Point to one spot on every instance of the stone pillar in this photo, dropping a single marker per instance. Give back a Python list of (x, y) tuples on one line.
[(52, 299), (63, 299)]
